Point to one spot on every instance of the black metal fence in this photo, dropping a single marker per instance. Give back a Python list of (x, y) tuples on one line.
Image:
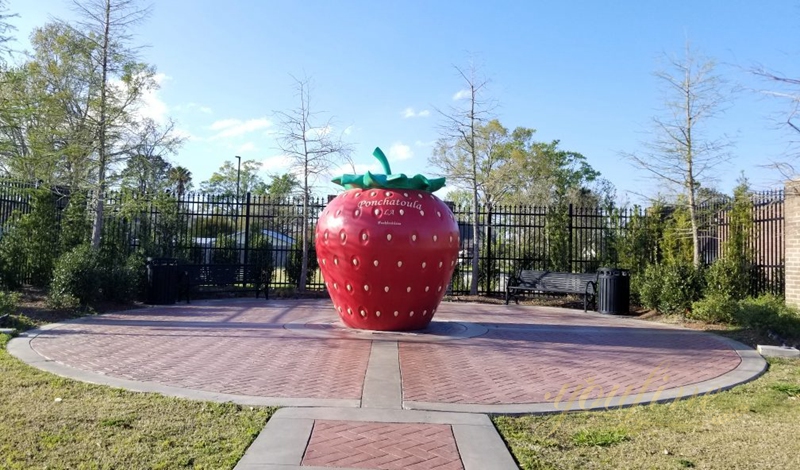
[(765, 235), (582, 239), (208, 229)]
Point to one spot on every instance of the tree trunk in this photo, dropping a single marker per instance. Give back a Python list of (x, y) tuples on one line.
[(476, 244), (304, 262), (695, 226), (690, 180), (97, 226)]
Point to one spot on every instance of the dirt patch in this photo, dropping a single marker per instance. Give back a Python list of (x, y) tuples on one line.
[(33, 307)]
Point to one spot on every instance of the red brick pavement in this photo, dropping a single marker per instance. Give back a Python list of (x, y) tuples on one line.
[(532, 365), (238, 349), (382, 446), (528, 355), (533, 315)]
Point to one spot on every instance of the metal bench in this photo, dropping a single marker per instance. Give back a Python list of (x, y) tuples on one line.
[(196, 278), (553, 282)]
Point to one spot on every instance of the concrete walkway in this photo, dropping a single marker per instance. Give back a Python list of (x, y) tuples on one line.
[(358, 399)]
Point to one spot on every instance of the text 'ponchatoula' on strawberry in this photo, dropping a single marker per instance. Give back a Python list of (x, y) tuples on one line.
[(387, 248)]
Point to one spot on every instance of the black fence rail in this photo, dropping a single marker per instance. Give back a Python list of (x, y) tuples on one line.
[(208, 229)]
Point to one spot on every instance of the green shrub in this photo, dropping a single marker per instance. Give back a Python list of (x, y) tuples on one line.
[(213, 226), (12, 257), (683, 284), (260, 257), (225, 251), (83, 276), (8, 302), (135, 264), (295, 261), (31, 241), (189, 252), (123, 279), (670, 288), (769, 313), (649, 285), (76, 226), (76, 278), (729, 278), (714, 308)]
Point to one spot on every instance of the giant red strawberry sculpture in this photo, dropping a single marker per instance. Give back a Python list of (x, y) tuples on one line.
[(387, 248)]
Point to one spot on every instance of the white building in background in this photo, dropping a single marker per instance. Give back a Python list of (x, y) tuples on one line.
[(281, 246)]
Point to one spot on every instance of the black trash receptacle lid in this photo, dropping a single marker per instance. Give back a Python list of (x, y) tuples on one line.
[(161, 261), (604, 272)]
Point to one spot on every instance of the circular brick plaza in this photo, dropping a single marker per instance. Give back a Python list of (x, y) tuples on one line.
[(473, 357)]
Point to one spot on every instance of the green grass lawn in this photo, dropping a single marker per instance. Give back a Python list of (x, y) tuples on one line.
[(753, 426), (50, 422)]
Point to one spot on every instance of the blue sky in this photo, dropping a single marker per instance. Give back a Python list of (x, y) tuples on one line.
[(577, 71)]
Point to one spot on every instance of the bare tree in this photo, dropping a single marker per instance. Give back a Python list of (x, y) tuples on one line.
[(460, 151), (108, 24), (313, 149), (786, 89), (6, 29), (680, 153)]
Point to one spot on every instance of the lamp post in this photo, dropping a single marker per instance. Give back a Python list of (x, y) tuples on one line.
[(238, 214), (238, 170)]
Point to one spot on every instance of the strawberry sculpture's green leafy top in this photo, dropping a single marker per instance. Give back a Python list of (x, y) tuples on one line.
[(388, 181)]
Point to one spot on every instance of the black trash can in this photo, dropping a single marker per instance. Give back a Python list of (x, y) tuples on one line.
[(162, 281), (614, 290)]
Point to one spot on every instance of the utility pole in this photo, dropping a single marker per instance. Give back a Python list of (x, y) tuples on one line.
[(238, 171)]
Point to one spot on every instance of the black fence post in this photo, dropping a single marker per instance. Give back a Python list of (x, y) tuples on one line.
[(569, 240), (489, 260), (246, 236)]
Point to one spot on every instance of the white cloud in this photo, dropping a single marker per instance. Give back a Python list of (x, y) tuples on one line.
[(360, 169), (276, 162), (246, 147), (461, 94), (192, 107), (236, 127), (411, 113), (443, 193), (223, 124), (399, 151)]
